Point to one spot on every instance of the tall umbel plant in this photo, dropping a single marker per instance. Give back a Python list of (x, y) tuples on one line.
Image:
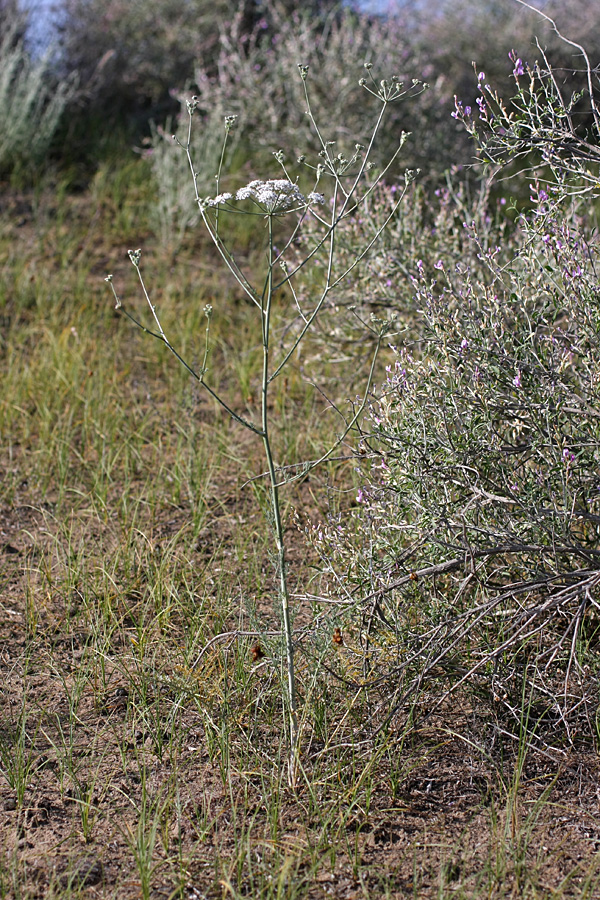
[(338, 187)]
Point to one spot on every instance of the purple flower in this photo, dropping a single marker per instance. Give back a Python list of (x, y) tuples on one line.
[(518, 69), (517, 379), (458, 110), (568, 456), (438, 265)]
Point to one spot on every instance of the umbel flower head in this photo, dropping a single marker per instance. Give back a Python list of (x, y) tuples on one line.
[(277, 195)]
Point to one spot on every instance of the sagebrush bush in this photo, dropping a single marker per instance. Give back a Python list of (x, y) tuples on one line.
[(31, 104), (428, 226), (255, 79), (472, 556), (174, 209)]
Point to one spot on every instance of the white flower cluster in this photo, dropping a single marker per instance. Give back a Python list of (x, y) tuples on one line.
[(275, 196)]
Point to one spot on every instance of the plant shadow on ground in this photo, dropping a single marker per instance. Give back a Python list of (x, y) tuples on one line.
[(139, 756)]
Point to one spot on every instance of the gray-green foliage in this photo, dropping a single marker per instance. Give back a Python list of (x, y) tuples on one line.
[(31, 105), (473, 553), (175, 209), (260, 84)]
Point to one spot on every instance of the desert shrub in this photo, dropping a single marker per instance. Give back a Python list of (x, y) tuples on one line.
[(174, 208), (472, 557), (131, 55), (259, 85), (31, 104), (429, 225)]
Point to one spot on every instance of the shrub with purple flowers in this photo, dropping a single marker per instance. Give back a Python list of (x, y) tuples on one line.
[(471, 559)]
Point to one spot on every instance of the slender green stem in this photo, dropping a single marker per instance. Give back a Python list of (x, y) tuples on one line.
[(277, 523), (199, 376)]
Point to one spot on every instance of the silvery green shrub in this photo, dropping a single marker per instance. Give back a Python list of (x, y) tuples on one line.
[(174, 209), (471, 557), (31, 105), (429, 224)]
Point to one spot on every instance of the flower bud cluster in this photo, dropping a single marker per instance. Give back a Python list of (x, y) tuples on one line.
[(278, 195)]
